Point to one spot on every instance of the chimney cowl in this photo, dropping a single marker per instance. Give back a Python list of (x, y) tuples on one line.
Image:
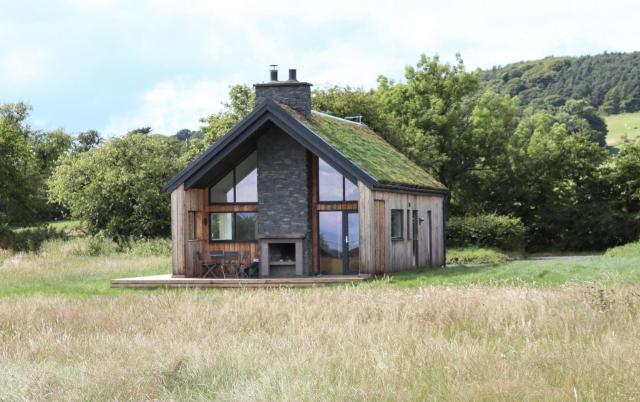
[(273, 72)]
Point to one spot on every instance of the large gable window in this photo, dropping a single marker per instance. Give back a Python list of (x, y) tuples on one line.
[(332, 186), (239, 185)]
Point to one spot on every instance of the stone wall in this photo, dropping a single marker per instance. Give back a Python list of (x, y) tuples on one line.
[(283, 189), (297, 95)]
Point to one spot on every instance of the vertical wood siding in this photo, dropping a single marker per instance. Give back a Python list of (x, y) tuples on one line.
[(184, 261), (378, 253)]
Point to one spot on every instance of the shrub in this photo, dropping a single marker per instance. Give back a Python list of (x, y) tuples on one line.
[(626, 250), (488, 230), (147, 247), (116, 189), (475, 255), (30, 239)]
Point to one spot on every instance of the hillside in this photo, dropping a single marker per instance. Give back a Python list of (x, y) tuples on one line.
[(610, 81)]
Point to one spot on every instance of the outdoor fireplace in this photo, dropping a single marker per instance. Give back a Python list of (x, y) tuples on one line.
[(281, 255)]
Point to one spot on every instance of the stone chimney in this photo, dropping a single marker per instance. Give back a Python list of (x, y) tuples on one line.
[(291, 92)]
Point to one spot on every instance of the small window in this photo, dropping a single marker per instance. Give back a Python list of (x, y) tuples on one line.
[(232, 226), (221, 225), (396, 224), (192, 225), (245, 226)]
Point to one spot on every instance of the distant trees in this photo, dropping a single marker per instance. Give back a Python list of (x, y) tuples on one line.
[(522, 141), (18, 166), (543, 163), (610, 81), (117, 188)]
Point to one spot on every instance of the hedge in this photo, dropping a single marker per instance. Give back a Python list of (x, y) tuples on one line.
[(489, 230)]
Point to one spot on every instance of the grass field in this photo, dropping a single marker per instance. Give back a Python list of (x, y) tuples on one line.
[(623, 128), (561, 330)]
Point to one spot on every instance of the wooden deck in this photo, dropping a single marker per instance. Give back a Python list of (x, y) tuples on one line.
[(167, 281)]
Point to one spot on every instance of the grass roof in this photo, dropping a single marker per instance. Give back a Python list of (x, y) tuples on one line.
[(372, 153)]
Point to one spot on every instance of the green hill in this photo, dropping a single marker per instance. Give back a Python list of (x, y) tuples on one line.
[(609, 81)]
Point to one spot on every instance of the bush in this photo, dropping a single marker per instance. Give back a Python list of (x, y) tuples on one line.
[(489, 230), (475, 255), (147, 247), (116, 189), (627, 250), (30, 239)]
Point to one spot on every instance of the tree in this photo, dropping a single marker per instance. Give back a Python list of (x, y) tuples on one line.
[(431, 113), (19, 174), (241, 101), (87, 140), (351, 102), (117, 188)]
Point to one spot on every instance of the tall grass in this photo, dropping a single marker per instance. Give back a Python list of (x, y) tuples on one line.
[(433, 343)]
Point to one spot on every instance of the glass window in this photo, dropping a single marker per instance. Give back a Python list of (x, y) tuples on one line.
[(247, 180), (330, 242), (221, 225), (350, 190), (332, 186), (245, 226), (192, 225), (239, 185), (396, 224), (329, 182), (222, 191)]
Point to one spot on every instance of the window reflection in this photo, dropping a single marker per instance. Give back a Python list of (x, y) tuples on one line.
[(239, 185), (329, 182), (332, 186)]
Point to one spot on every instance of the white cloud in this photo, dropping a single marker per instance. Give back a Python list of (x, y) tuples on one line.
[(149, 44), (24, 65), (171, 106)]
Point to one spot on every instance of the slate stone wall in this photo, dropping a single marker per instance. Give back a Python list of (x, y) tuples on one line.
[(296, 95), (283, 189)]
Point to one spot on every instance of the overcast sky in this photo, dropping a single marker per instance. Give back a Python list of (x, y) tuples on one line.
[(115, 65)]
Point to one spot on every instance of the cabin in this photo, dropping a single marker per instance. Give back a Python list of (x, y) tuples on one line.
[(305, 193)]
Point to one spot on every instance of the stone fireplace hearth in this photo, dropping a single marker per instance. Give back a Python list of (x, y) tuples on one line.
[(281, 256)]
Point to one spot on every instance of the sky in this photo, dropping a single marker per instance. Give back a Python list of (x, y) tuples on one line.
[(115, 65)]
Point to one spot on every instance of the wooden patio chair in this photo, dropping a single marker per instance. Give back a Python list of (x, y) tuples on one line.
[(205, 269)]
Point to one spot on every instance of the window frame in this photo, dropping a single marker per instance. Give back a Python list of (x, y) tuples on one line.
[(401, 211), (235, 183), (233, 227)]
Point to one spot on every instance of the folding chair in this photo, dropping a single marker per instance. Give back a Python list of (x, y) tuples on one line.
[(244, 264), (205, 269), (231, 261), (217, 257)]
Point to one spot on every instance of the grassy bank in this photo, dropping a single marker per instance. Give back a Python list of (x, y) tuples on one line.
[(623, 128)]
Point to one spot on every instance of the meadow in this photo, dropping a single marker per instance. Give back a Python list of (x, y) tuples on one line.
[(556, 330), (623, 128)]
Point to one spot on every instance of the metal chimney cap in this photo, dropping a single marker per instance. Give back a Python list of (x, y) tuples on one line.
[(273, 72)]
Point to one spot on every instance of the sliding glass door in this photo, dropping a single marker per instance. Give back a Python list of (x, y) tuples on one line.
[(339, 242)]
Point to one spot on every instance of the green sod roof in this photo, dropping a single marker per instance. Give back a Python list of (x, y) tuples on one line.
[(372, 153)]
